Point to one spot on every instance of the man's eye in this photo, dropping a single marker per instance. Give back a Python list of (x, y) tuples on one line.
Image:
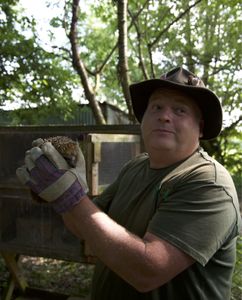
[(156, 107), (180, 110)]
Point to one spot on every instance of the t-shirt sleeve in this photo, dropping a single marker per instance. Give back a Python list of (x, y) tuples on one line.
[(195, 214), (104, 200)]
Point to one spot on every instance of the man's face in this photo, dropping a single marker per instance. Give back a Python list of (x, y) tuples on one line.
[(172, 121)]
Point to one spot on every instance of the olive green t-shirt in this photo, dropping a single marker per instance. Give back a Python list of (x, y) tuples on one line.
[(192, 205)]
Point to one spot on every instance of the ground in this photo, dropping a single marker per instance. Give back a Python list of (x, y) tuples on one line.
[(74, 279), (52, 275)]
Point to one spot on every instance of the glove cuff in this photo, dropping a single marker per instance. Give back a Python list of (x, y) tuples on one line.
[(69, 199)]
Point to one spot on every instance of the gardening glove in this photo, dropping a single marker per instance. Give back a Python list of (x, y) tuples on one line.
[(54, 156), (57, 159), (65, 149), (49, 176)]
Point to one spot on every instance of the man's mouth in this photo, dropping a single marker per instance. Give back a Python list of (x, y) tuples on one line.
[(162, 130)]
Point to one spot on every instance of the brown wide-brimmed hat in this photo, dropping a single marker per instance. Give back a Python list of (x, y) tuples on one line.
[(183, 80)]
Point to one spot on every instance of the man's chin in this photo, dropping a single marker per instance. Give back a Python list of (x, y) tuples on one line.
[(162, 145)]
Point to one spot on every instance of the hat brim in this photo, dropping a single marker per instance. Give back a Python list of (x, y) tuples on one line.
[(206, 100)]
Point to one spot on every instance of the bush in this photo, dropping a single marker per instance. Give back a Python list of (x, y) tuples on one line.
[(237, 277)]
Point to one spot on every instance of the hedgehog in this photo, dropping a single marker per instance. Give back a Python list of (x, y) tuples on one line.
[(65, 146)]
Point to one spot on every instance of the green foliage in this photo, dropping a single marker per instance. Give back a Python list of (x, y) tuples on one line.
[(237, 281), (58, 113), (206, 39), (30, 74), (201, 35)]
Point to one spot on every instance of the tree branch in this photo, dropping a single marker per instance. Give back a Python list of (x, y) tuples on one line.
[(100, 69), (156, 40), (78, 65), (140, 55), (227, 130)]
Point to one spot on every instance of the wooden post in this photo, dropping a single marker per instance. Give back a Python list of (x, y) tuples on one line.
[(17, 277), (9, 290), (93, 145)]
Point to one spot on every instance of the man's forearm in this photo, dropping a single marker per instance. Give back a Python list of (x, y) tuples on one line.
[(109, 241), (144, 263)]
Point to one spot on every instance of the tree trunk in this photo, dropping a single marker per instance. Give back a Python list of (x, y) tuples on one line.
[(79, 66), (123, 55)]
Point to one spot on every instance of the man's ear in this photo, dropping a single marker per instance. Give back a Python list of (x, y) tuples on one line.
[(201, 127)]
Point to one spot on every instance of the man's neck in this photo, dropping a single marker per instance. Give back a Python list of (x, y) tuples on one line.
[(163, 159)]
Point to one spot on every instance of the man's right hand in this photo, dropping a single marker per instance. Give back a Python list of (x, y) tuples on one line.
[(49, 176)]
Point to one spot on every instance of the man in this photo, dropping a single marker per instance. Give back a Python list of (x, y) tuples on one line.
[(166, 228)]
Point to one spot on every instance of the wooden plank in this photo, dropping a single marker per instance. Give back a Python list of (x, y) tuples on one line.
[(40, 294), (94, 179), (89, 158), (64, 129), (96, 152), (113, 138), (92, 168)]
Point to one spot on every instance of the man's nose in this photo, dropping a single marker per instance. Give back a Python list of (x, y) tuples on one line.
[(165, 114)]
